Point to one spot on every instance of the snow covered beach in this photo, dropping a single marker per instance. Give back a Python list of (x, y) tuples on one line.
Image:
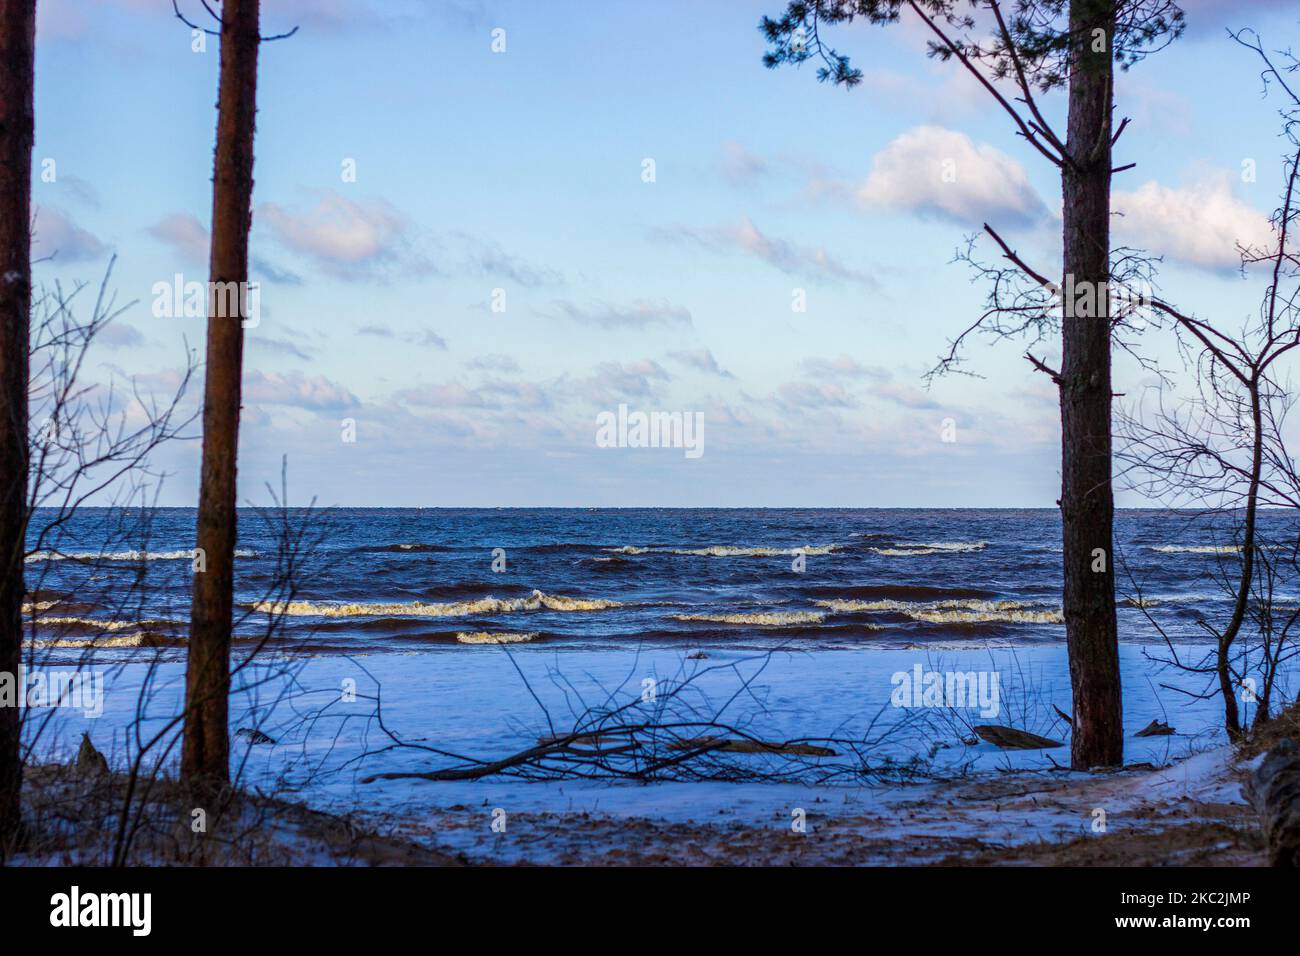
[(948, 800)]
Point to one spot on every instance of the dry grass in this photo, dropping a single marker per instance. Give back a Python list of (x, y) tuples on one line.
[(74, 817), (1266, 737)]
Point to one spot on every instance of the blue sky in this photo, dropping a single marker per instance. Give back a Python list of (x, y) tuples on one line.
[(522, 171)]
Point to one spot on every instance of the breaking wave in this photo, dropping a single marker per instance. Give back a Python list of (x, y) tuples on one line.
[(483, 637), (909, 549), (1197, 549), (762, 619), (99, 624), (537, 601), (185, 555), (732, 551), (953, 612)]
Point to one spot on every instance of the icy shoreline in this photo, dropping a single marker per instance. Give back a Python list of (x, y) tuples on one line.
[(474, 701)]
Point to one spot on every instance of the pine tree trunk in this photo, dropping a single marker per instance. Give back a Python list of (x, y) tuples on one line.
[(206, 744), (1087, 507), (17, 129)]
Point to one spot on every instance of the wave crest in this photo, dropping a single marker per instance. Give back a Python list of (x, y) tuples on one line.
[(183, 555), (732, 551), (1197, 549), (954, 612), (484, 637), (908, 549), (760, 618), (536, 601)]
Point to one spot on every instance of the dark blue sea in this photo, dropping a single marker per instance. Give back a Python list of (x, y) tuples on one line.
[(374, 580)]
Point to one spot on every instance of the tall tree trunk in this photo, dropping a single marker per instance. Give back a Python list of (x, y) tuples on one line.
[(206, 745), (17, 130), (1087, 507), (1231, 715)]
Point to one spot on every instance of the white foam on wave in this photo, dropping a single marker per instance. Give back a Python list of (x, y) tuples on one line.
[(484, 637), (732, 551), (187, 555), (759, 618), (911, 549), (139, 639), (969, 611), (1197, 549), (99, 624), (537, 601)]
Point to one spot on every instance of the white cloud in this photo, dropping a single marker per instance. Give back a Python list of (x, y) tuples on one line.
[(940, 172), (185, 234), (57, 235), (295, 388), (1200, 224), (350, 239)]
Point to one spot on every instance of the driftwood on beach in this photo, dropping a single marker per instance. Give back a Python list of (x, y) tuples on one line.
[(744, 746), (1009, 738), (598, 747)]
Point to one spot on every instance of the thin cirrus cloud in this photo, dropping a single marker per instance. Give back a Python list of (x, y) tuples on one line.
[(184, 233), (282, 346), (489, 258), (56, 235), (424, 337), (493, 362), (701, 360), (812, 396), (938, 172), (909, 396), (1200, 225), (118, 335), (842, 367), (315, 393), (639, 314), (492, 395), (831, 386), (781, 254), (191, 241), (738, 165), (429, 339), (614, 382)]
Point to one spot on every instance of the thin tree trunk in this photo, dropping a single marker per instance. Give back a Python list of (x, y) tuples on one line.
[(17, 130), (1087, 508), (206, 744), (1231, 715)]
